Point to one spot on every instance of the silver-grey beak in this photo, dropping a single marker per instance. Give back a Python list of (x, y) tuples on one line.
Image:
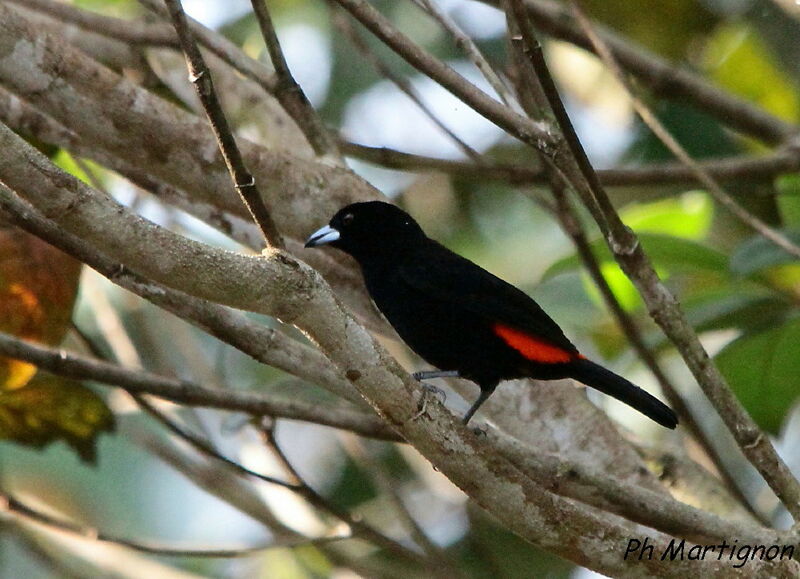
[(322, 236)]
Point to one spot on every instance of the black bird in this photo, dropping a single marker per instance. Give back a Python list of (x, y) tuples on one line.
[(458, 316)]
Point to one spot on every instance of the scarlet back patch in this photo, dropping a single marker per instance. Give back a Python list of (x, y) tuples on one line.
[(532, 348)]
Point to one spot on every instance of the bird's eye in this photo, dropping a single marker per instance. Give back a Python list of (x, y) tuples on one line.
[(347, 218)]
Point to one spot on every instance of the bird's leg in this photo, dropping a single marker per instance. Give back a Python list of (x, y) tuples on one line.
[(482, 397), (429, 389)]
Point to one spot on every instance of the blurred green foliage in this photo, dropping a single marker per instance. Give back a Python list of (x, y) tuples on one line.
[(51, 408)]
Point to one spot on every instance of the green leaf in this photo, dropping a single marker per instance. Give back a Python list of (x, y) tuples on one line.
[(764, 371), (64, 160), (725, 309), (622, 288), (688, 216), (757, 254), (734, 49), (51, 408), (668, 252)]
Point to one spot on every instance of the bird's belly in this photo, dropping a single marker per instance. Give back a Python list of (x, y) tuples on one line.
[(447, 336)]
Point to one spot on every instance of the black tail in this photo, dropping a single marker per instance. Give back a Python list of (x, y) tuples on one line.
[(609, 383)]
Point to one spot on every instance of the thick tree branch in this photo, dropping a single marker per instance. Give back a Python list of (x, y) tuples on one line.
[(632, 501), (264, 344), (567, 478), (162, 140)]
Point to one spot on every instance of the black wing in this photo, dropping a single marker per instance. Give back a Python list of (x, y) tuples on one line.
[(456, 280)]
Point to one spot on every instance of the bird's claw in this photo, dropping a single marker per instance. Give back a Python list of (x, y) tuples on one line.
[(427, 391), (480, 430)]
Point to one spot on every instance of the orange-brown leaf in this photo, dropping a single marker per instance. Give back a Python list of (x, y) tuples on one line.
[(38, 286)]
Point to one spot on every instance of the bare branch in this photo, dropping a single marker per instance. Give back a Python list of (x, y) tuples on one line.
[(358, 527), (133, 32), (13, 506), (62, 363), (535, 101), (226, 50), (266, 345), (632, 501), (203, 446), (472, 51), (439, 562), (200, 76), (290, 94), (160, 140), (734, 169), (535, 134), (342, 21)]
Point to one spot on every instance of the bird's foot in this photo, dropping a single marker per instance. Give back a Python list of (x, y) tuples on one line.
[(427, 392), (428, 374), (479, 430)]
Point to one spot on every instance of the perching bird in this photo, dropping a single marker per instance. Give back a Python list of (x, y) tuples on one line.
[(459, 317)]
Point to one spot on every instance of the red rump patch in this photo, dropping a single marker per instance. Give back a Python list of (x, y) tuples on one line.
[(532, 348)]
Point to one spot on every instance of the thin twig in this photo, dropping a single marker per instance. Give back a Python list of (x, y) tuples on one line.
[(465, 43), (358, 527), (13, 506), (721, 196), (734, 169), (290, 94), (200, 76), (61, 363), (343, 23), (661, 303), (571, 225), (223, 48), (203, 446), (199, 444), (41, 552), (534, 100), (537, 135), (440, 563)]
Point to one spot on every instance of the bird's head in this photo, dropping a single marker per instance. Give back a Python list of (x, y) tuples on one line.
[(368, 230)]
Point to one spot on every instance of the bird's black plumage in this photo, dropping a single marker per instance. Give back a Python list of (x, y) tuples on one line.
[(458, 316)]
